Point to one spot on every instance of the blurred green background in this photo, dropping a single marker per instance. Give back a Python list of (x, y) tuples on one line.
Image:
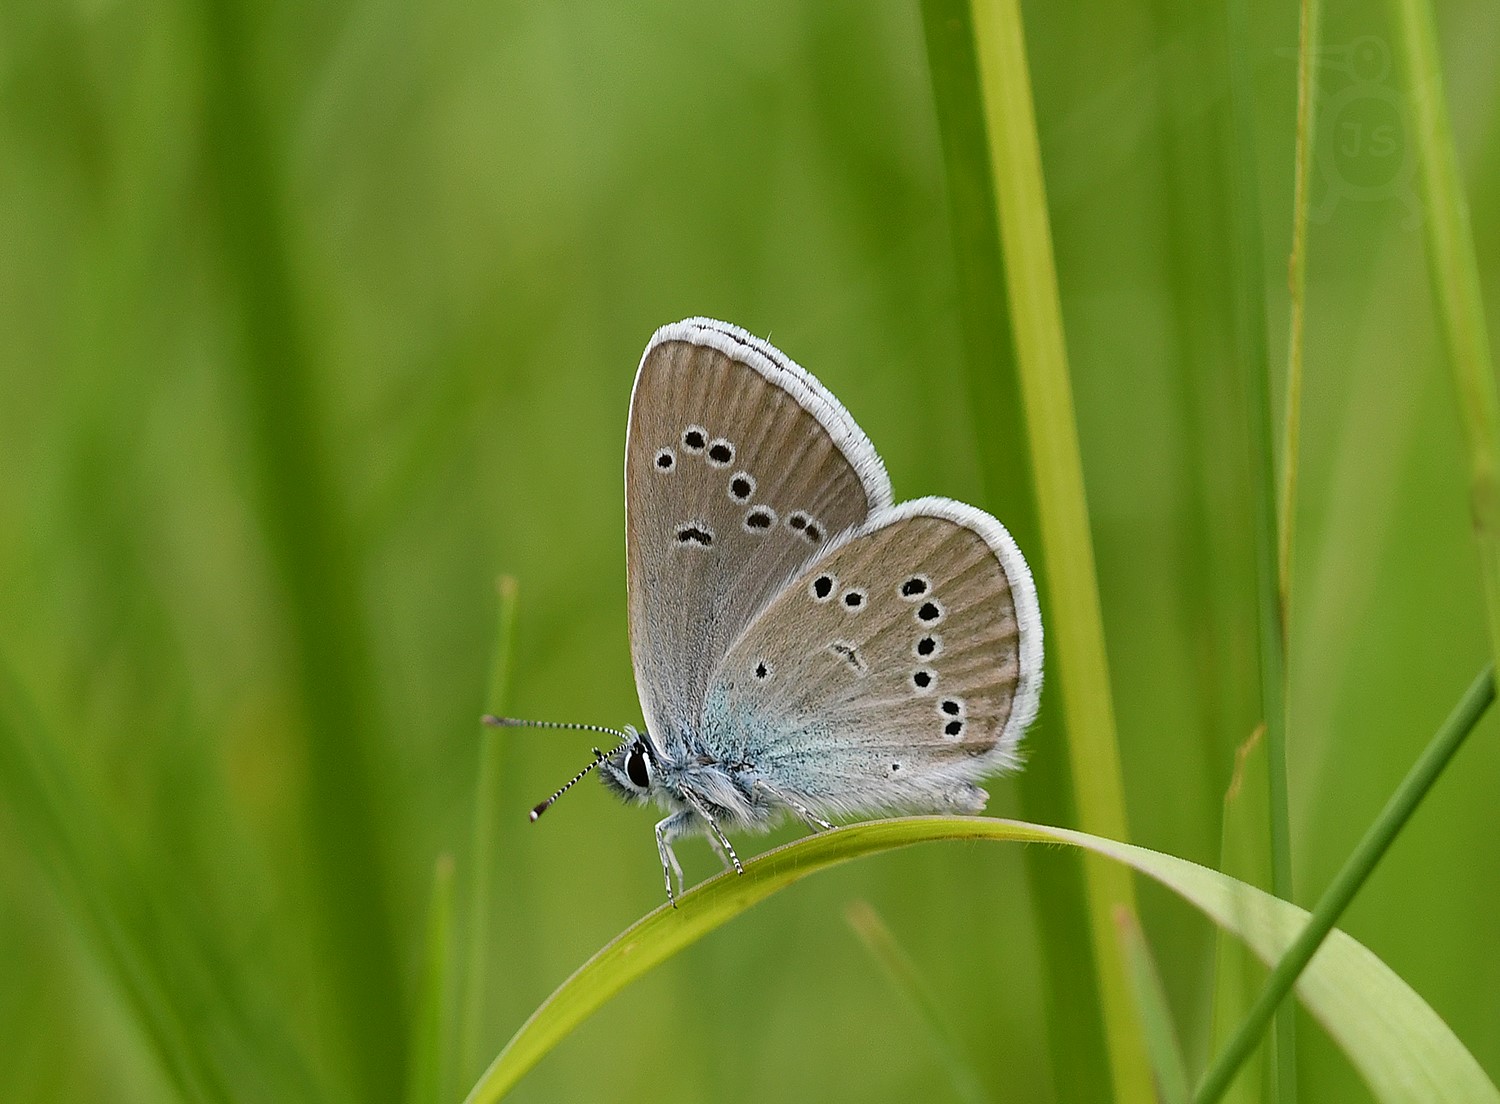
[(315, 319)]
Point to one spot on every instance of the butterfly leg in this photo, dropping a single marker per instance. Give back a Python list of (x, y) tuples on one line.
[(808, 817), (717, 833), (667, 830), (719, 850)]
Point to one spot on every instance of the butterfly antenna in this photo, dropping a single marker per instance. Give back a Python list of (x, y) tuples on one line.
[(517, 722), (599, 757), (542, 806)]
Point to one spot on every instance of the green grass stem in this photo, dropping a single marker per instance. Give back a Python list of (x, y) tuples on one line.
[(213, 1029), (1242, 855), (1075, 1029), (305, 529), (1075, 625), (1251, 352), (475, 982), (1454, 272), (907, 980), (82, 859), (1308, 40), (1348, 882), (1155, 1014), (431, 1026)]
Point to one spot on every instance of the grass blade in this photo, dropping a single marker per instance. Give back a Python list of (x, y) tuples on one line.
[(1307, 89), (1454, 272), (1254, 365), (1242, 855), (430, 1030), (475, 980), (1156, 1016), (94, 881), (902, 972), (1402, 1049), (1076, 628), (1075, 1029), (1350, 878), (303, 519)]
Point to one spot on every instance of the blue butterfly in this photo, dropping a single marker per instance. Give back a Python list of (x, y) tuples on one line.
[(802, 645)]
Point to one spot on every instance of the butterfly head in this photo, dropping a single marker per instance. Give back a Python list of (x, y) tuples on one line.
[(630, 770)]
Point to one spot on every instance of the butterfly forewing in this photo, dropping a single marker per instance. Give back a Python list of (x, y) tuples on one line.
[(896, 669), (739, 469)]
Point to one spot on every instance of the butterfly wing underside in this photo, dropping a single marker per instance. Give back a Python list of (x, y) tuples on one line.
[(892, 673), (739, 469)]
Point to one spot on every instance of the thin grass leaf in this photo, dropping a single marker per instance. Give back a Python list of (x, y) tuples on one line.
[(1238, 976), (1349, 880), (475, 981), (1255, 370), (898, 967), (1155, 1014), (1308, 39), (431, 1025), (65, 836), (1454, 272), (1402, 1049), (1076, 630), (1075, 1029)]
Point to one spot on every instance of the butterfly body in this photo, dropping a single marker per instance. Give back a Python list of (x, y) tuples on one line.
[(803, 646)]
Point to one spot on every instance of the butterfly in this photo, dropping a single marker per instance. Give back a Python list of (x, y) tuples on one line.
[(803, 646)]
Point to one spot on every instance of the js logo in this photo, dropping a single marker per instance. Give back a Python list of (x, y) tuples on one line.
[(1363, 150)]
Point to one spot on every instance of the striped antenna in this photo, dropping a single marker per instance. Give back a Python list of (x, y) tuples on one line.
[(542, 806), (515, 722)]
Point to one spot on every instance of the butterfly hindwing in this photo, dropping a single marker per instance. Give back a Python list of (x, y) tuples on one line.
[(739, 469), (895, 670)]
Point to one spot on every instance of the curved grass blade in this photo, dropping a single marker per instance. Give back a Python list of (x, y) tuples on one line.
[(1402, 1049), (1347, 882)]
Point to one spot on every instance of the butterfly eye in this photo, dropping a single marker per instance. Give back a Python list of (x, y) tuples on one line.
[(822, 587), (666, 460), (929, 613), (694, 437), (635, 767), (741, 487)]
